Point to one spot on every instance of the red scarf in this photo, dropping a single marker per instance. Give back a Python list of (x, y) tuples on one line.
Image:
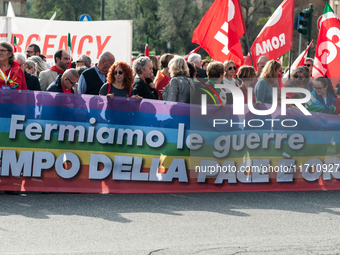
[(66, 90), (53, 68)]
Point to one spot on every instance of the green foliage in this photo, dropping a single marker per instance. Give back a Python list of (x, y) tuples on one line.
[(66, 10)]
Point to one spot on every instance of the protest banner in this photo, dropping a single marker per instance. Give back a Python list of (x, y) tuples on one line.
[(90, 38), (79, 143)]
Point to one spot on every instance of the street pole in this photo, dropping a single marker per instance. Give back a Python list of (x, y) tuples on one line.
[(310, 26), (299, 45), (103, 8)]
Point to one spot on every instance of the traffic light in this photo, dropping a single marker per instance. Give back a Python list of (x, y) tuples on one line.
[(304, 23)]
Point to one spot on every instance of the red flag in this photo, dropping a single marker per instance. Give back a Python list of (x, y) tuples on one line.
[(193, 51), (300, 60), (221, 29), (326, 60), (276, 37), (146, 52)]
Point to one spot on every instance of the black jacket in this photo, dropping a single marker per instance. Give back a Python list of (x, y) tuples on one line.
[(143, 89), (56, 86), (32, 81)]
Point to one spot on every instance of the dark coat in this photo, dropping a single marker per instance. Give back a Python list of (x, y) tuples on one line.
[(143, 89), (32, 81), (56, 86)]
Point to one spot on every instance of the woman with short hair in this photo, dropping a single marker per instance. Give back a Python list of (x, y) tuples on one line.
[(229, 72), (301, 79), (181, 88), (143, 85), (30, 67), (268, 80)]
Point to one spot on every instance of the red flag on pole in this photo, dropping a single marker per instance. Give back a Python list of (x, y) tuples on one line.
[(146, 52), (300, 60), (326, 60), (220, 30), (193, 51), (276, 37)]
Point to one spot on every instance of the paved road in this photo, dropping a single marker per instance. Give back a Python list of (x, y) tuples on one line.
[(202, 223)]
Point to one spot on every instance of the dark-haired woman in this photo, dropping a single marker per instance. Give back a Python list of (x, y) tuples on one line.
[(322, 97)]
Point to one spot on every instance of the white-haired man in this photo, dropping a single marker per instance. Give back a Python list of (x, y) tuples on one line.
[(32, 81), (197, 60)]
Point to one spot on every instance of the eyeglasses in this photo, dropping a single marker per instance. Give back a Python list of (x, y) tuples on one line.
[(115, 72), (232, 67), (3, 51), (299, 78), (79, 61), (309, 65), (319, 88), (29, 52), (73, 83)]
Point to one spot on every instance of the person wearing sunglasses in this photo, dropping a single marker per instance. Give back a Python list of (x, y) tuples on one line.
[(322, 97), (65, 82), (301, 79), (268, 80), (119, 81), (309, 62), (229, 72)]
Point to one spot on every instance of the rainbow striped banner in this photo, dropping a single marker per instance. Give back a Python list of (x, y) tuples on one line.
[(79, 143)]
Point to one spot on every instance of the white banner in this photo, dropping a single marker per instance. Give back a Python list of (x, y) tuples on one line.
[(91, 38)]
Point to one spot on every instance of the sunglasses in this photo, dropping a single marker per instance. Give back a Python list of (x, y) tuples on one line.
[(299, 78), (309, 65), (319, 88), (232, 67), (73, 83), (115, 72)]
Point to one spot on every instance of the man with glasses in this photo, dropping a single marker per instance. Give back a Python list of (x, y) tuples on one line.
[(65, 82), (309, 62), (83, 60), (32, 50), (62, 60)]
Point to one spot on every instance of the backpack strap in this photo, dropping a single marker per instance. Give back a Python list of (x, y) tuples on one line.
[(108, 88)]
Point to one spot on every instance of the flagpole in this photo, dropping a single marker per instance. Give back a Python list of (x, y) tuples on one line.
[(251, 58), (290, 63)]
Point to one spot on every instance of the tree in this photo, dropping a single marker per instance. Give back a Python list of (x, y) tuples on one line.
[(253, 10), (178, 19), (66, 10)]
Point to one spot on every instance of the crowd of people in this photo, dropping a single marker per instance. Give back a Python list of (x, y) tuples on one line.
[(169, 78)]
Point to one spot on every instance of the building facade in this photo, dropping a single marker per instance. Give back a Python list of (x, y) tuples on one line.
[(19, 7)]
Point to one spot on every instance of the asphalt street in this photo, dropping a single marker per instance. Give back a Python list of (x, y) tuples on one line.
[(191, 223)]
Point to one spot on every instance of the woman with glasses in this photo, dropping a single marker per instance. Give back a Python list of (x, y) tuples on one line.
[(119, 81), (268, 80), (322, 97), (11, 75), (229, 72)]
